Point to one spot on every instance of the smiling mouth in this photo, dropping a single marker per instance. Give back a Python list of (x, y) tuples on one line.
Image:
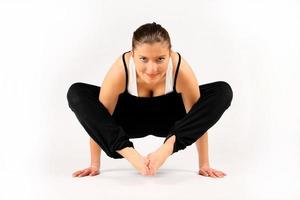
[(152, 75)]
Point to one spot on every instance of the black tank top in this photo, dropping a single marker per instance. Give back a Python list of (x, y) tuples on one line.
[(142, 116)]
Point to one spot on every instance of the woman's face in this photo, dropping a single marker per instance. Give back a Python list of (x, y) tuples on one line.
[(151, 61)]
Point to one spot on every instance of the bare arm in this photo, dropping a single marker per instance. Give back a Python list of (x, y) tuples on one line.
[(95, 154), (111, 87), (202, 148), (113, 84), (189, 87), (187, 84)]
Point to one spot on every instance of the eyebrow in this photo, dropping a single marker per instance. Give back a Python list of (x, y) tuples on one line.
[(157, 56)]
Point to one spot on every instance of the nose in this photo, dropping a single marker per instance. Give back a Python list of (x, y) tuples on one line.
[(152, 69)]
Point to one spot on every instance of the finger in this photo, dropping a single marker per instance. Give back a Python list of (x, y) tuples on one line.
[(81, 171), (211, 174), (86, 172), (217, 174), (94, 173), (222, 173), (202, 172), (76, 173)]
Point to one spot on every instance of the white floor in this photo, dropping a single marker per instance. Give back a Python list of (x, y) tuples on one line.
[(258, 177)]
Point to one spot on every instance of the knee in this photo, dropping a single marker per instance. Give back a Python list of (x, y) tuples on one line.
[(226, 93), (73, 94)]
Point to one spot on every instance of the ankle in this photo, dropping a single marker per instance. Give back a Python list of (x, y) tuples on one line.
[(169, 145), (127, 152), (171, 140)]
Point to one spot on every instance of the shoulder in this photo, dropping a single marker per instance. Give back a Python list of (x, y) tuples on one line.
[(127, 56), (187, 84), (116, 74), (185, 75)]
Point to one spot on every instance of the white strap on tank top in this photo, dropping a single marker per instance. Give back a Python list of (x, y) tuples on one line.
[(132, 83)]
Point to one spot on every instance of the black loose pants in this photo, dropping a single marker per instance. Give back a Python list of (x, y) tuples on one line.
[(83, 99)]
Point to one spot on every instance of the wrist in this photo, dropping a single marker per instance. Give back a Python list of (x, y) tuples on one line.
[(95, 164), (204, 164)]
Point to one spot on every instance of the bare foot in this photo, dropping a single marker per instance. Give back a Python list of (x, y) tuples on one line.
[(139, 162), (158, 157)]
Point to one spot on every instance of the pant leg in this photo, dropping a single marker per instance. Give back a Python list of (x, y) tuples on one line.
[(214, 99), (83, 99)]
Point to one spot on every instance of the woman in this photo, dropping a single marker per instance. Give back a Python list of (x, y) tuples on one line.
[(150, 90)]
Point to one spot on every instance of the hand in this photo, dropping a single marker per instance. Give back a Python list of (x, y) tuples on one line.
[(90, 171), (205, 170)]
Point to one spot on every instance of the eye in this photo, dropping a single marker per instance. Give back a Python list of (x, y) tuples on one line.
[(143, 59), (161, 59)]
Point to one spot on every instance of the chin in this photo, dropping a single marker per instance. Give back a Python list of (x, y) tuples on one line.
[(152, 80)]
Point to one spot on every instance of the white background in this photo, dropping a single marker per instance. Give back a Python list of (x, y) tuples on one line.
[(45, 46)]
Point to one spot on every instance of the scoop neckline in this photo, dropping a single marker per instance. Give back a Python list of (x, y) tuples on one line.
[(154, 97)]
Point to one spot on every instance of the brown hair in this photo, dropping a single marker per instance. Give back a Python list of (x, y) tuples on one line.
[(150, 33)]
